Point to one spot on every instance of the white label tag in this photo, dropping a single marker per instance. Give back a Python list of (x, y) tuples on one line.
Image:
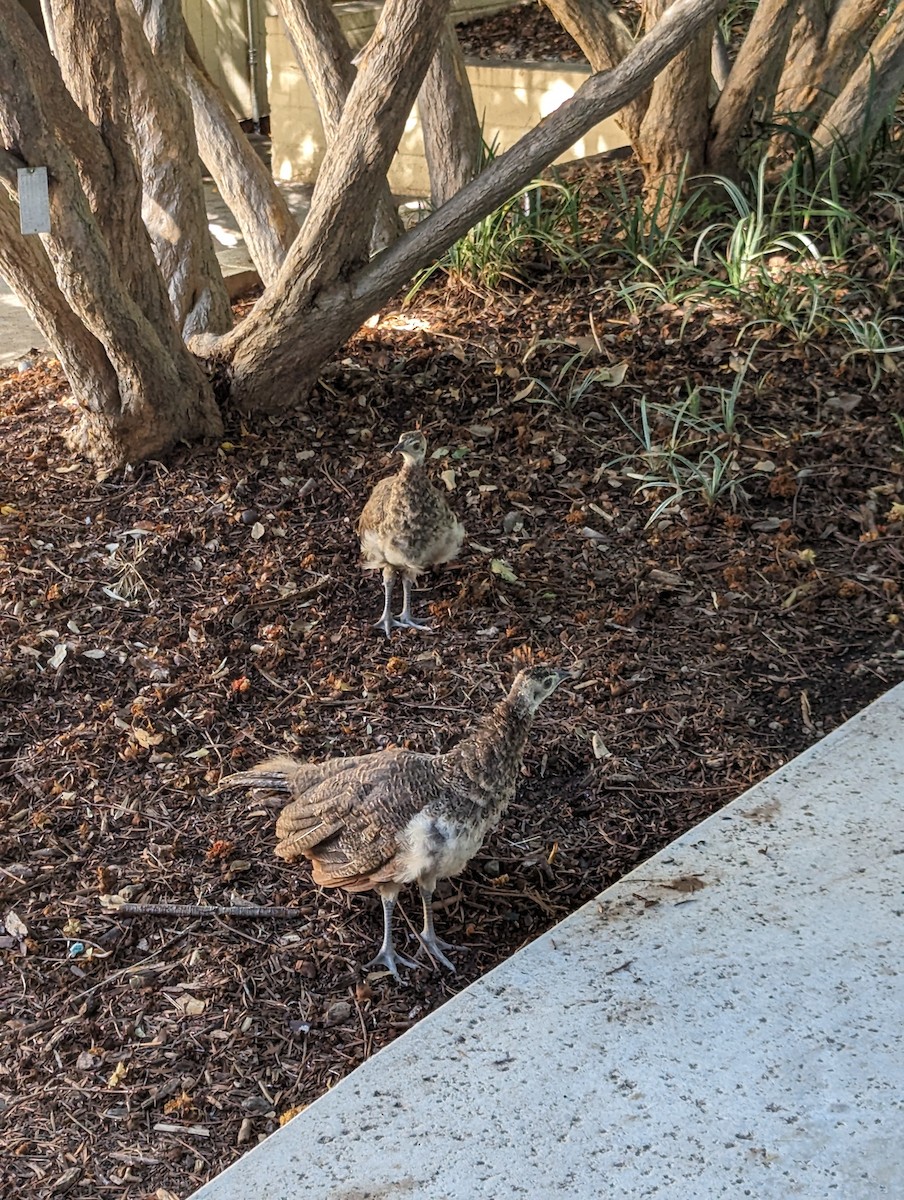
[(34, 201)]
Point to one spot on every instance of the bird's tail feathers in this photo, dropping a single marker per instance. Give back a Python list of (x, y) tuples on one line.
[(275, 774)]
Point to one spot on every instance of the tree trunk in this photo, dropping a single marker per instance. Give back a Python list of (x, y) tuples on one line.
[(827, 43), (322, 52), (26, 268), (452, 135), (278, 351), (673, 133), (606, 40), (173, 207), (751, 83), (870, 94), (268, 226), (98, 248), (668, 126), (333, 242)]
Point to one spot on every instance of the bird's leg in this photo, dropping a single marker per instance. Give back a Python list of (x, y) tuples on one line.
[(405, 618), (431, 943), (387, 622), (387, 956)]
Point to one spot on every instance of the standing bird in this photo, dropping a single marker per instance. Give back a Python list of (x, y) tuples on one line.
[(379, 821), (405, 528)]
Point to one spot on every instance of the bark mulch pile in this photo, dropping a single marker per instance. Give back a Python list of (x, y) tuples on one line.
[(189, 616)]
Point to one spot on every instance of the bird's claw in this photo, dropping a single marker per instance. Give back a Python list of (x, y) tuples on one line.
[(406, 621), (392, 960), (435, 947), (387, 624)]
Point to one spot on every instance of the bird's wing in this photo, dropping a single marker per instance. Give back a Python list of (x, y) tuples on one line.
[(287, 774), (349, 824), (374, 512)]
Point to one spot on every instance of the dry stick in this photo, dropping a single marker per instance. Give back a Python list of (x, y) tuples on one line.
[(199, 910)]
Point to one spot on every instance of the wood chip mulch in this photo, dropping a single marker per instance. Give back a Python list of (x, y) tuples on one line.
[(182, 619)]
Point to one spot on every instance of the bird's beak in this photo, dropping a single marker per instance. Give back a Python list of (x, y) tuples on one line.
[(563, 673), (397, 448)]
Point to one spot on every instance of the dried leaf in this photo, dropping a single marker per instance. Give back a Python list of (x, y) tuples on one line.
[(15, 926), (503, 570), (191, 1006), (600, 749), (59, 656), (118, 1074), (145, 739)]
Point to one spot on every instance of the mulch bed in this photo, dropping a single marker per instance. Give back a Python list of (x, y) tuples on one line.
[(524, 32), (186, 618)]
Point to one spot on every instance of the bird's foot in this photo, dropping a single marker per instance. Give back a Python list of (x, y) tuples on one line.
[(392, 960), (407, 621), (435, 947), (387, 623)]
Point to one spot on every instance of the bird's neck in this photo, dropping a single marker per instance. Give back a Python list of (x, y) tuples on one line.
[(491, 755), (410, 466)]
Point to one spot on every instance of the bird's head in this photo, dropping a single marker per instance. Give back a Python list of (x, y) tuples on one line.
[(412, 447), (534, 684)]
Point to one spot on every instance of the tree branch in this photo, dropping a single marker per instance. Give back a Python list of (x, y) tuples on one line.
[(602, 95), (605, 39), (173, 207), (282, 367), (323, 54), (267, 223)]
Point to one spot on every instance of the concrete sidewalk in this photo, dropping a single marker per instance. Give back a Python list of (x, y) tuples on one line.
[(726, 1021), (19, 336)]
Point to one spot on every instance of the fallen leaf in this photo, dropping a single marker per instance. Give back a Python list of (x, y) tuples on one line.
[(117, 1075), (600, 749), (503, 570), (15, 926), (145, 739), (191, 1006), (59, 656)]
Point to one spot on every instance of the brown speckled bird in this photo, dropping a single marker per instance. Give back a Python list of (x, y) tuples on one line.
[(380, 821), (405, 528)]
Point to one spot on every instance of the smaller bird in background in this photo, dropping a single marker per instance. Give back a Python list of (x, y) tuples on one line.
[(405, 528), (380, 821)]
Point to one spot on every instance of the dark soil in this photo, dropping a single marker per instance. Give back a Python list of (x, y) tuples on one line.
[(186, 618)]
